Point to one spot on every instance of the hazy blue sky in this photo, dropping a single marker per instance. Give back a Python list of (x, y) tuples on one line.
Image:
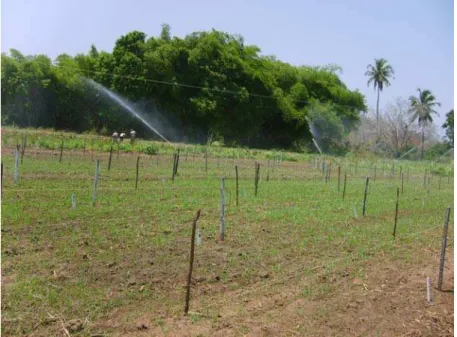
[(415, 36)]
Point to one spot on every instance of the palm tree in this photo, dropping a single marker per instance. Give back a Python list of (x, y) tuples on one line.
[(379, 75), (421, 109)]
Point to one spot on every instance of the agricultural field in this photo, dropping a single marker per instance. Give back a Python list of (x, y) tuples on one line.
[(298, 259)]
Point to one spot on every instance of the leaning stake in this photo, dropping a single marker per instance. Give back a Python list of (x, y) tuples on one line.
[(443, 248), (191, 261)]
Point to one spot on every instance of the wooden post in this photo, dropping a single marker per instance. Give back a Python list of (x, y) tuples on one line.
[(396, 212), (206, 159), (344, 185), (257, 176), (174, 167), (339, 177), (191, 261), (237, 187), (443, 248), (364, 206), (24, 144), (222, 232), (374, 176), (61, 151), (94, 191), (137, 170), (16, 165), (110, 157), (177, 163)]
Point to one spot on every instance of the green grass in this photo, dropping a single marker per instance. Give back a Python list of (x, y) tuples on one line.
[(131, 249)]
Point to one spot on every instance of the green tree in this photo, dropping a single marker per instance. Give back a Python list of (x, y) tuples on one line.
[(449, 126), (379, 75), (421, 109)]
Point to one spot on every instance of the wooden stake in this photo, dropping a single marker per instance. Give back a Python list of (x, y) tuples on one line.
[(222, 232), (364, 206), (443, 248), (61, 151), (339, 177), (16, 165), (206, 159), (257, 176), (137, 170), (94, 191), (396, 212), (24, 144), (174, 167), (237, 188), (191, 261), (344, 185), (110, 157)]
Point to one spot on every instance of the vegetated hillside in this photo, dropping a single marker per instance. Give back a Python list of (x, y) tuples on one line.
[(205, 83)]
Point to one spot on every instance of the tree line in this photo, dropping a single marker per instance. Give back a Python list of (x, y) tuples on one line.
[(394, 130), (207, 83)]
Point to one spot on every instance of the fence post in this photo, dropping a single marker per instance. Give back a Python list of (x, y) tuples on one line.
[(443, 248), (94, 191), (137, 170), (237, 188), (110, 157), (61, 151), (222, 232), (191, 261), (174, 167), (339, 177), (344, 185), (364, 208), (24, 144), (16, 165), (396, 212)]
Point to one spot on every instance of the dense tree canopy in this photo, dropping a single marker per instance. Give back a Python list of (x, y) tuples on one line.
[(207, 82)]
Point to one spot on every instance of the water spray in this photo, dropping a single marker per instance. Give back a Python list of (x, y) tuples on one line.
[(125, 105)]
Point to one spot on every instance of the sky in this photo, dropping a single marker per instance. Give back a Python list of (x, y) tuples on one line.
[(415, 36)]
